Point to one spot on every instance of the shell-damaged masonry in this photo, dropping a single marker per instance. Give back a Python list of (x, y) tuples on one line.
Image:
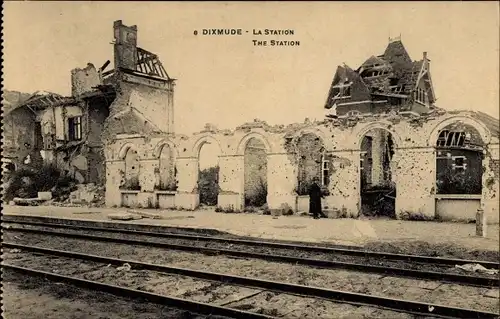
[(383, 147)]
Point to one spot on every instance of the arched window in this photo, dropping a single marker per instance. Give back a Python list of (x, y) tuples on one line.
[(459, 160), (132, 170)]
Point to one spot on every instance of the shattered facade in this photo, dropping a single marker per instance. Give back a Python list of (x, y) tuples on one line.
[(382, 141)]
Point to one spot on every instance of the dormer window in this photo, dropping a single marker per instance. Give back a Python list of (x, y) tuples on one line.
[(342, 90)]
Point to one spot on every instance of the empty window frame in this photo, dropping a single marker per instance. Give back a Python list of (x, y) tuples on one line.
[(325, 169), (342, 90), (75, 128), (459, 163)]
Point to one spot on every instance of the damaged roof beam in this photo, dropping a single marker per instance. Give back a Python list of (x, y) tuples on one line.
[(145, 59), (164, 72)]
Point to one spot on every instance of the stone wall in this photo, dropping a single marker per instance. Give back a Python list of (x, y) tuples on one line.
[(84, 80), (413, 165), (18, 135)]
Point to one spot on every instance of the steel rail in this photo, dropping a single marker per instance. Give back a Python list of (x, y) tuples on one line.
[(413, 307), (478, 281), (321, 249), (178, 303)]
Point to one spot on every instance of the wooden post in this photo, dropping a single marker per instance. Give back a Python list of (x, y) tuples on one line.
[(480, 223)]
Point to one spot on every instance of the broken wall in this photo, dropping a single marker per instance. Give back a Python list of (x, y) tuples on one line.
[(18, 135), (84, 80), (413, 165), (57, 117), (143, 106), (155, 103), (98, 112)]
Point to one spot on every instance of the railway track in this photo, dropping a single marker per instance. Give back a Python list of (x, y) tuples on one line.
[(399, 305), (179, 303), (372, 262)]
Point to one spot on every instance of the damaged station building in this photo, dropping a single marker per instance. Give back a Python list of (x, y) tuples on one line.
[(383, 148)]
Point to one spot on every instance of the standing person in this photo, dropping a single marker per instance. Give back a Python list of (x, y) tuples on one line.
[(315, 199)]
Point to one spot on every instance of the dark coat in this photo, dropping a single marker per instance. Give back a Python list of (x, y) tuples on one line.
[(315, 199)]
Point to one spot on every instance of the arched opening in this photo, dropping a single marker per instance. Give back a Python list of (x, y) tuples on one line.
[(132, 168), (166, 169), (255, 173), (378, 190), (313, 163), (208, 173), (459, 155)]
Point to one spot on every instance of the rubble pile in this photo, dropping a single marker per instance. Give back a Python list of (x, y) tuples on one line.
[(89, 195)]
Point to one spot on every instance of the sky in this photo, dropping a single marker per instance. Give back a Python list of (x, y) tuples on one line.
[(226, 80)]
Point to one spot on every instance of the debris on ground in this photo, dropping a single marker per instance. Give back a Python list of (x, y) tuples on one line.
[(87, 194), (123, 216), (125, 267), (145, 214), (28, 201), (477, 268)]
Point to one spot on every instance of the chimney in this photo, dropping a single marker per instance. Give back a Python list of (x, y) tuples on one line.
[(425, 55), (125, 45)]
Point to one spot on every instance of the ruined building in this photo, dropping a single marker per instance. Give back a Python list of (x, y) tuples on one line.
[(71, 132), (384, 147), (383, 83), (17, 130)]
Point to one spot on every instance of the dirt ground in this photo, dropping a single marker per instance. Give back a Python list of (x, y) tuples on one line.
[(33, 298), (419, 290), (342, 231)]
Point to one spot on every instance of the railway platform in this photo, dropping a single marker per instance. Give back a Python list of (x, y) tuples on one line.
[(352, 232)]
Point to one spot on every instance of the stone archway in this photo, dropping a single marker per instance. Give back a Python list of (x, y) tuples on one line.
[(165, 174), (312, 162), (377, 181), (132, 169), (479, 127), (207, 151), (166, 168), (255, 173)]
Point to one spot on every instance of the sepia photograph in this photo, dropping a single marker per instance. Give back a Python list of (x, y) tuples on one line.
[(250, 159)]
